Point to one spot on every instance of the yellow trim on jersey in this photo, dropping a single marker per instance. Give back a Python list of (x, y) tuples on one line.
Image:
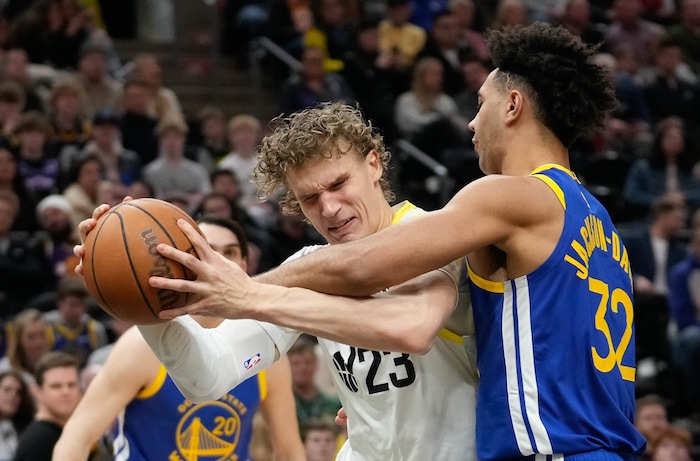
[(450, 336), (69, 333), (554, 186), (155, 385), (405, 208), (262, 384), (488, 285), (50, 336), (549, 166), (92, 333)]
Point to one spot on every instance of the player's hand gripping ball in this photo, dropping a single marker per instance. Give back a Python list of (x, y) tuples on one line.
[(120, 257)]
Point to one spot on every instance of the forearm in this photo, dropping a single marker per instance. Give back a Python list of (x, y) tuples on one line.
[(74, 447), (407, 321), (207, 363)]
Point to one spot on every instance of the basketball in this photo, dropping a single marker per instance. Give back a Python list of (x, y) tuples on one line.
[(120, 256)]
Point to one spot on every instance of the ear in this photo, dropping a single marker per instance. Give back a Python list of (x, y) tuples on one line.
[(374, 162), (515, 105)]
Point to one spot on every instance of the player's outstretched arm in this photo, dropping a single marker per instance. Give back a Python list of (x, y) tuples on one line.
[(205, 363), (130, 367), (280, 413)]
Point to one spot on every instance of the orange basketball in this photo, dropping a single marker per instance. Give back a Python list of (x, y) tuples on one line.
[(120, 256)]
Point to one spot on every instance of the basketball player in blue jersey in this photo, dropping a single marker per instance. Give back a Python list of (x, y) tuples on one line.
[(153, 419), (550, 278)]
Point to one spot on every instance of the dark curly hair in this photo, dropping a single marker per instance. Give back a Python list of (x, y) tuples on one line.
[(571, 95)]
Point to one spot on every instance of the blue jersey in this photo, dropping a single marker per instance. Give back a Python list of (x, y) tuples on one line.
[(556, 347), (161, 424)]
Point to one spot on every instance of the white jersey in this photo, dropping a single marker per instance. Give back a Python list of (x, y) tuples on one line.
[(406, 407)]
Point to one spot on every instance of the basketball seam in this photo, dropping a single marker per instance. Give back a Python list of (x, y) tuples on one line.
[(133, 269), (94, 272), (167, 234)]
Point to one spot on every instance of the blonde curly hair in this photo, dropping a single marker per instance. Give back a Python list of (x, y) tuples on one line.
[(310, 134)]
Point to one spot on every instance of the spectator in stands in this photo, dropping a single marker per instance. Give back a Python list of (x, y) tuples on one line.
[(57, 393), (672, 444), (52, 32), (652, 250), (244, 134), (69, 124), (288, 22), (686, 33), (444, 44), (288, 234), (11, 181), (38, 170), (374, 79), (627, 128), (473, 39), (27, 344), (651, 418), (226, 183), (684, 304), (15, 68), (399, 38), (313, 84), (320, 439), (669, 93), (333, 30), (55, 215), (164, 101), (86, 187), (426, 115), (576, 18), (100, 89), (311, 402), (668, 168), (475, 70), (510, 13), (12, 99), (121, 166), (212, 135), (71, 328), (16, 411), (172, 171), (628, 28), (138, 127), (24, 270)]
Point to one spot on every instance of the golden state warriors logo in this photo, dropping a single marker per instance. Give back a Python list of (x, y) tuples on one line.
[(207, 432)]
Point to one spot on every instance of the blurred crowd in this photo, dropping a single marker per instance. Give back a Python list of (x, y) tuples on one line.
[(81, 125)]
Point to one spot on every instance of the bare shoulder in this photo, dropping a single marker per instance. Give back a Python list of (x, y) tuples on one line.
[(514, 197)]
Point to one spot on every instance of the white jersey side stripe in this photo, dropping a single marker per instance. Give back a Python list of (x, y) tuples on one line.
[(511, 362), (527, 367)]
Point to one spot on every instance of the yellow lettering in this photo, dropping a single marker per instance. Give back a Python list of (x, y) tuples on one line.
[(601, 237), (174, 457), (615, 247)]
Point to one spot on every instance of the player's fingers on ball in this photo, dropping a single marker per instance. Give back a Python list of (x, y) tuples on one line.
[(100, 210), (186, 259), (180, 285), (169, 314), (127, 198)]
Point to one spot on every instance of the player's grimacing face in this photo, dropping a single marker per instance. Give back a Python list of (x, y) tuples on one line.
[(340, 196), (224, 241)]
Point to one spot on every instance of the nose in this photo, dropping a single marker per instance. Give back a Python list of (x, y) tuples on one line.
[(471, 124), (329, 205)]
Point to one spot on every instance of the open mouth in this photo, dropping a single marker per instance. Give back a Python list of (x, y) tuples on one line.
[(340, 226)]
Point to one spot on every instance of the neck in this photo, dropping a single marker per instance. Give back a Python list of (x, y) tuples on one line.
[(44, 415)]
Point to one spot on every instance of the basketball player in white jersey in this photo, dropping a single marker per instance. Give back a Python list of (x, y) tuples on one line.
[(402, 371)]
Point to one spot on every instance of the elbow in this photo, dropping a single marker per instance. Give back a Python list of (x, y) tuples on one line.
[(416, 336)]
